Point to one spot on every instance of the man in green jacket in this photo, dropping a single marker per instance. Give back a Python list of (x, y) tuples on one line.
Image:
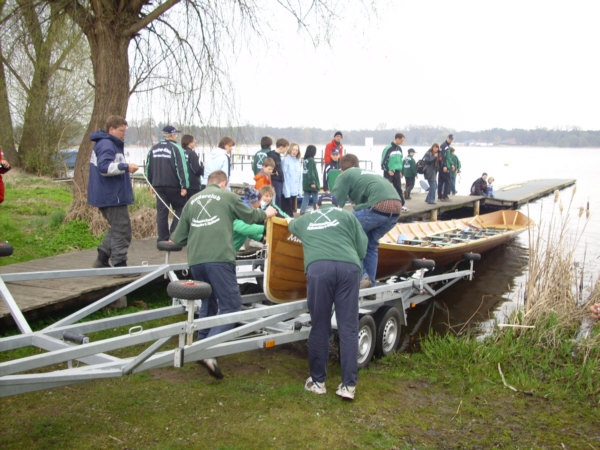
[(206, 228), (377, 207), (334, 243), (391, 163), (409, 170)]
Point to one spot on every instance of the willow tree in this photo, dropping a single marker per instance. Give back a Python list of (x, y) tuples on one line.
[(191, 36)]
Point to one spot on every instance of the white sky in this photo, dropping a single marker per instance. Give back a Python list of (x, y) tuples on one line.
[(465, 65)]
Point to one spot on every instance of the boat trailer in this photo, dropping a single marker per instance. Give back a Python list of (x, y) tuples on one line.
[(70, 356)]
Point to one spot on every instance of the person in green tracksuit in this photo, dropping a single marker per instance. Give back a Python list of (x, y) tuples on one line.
[(377, 207), (334, 243), (206, 228), (409, 170), (310, 179), (454, 170), (391, 164), (261, 155)]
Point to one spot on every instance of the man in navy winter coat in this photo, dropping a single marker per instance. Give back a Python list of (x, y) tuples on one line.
[(109, 189)]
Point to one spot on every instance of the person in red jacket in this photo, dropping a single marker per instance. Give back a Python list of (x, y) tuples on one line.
[(4, 167), (337, 142)]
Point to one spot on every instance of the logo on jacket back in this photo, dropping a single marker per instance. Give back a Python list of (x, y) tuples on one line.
[(204, 217), (323, 220)]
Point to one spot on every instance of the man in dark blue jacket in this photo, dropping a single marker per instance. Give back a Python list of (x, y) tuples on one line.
[(109, 189), (166, 169)]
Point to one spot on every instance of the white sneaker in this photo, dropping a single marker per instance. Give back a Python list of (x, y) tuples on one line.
[(315, 386), (213, 367), (405, 209), (346, 392)]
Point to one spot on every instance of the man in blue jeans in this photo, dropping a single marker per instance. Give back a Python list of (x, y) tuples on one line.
[(333, 243), (377, 207)]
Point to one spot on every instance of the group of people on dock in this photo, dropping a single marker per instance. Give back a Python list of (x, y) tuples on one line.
[(340, 247)]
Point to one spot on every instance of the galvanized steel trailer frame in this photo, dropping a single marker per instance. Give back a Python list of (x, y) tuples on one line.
[(262, 325)]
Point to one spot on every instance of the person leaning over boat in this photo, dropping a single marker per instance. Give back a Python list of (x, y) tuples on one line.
[(206, 227), (409, 170), (334, 243), (166, 169), (391, 164), (431, 161), (109, 190), (377, 207)]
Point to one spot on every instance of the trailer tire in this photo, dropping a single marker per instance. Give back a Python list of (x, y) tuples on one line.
[(168, 246), (472, 256), (189, 289), (6, 249), (389, 330), (423, 263), (366, 340)]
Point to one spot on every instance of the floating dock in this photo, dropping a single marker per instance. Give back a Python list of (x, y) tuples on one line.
[(516, 195)]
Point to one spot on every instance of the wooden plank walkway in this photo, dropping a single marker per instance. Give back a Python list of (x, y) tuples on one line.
[(515, 195), (42, 294)]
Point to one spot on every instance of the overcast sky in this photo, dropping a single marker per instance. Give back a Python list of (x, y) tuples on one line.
[(464, 65)]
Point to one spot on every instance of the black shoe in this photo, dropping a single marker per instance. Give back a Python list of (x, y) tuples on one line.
[(101, 260), (213, 367)]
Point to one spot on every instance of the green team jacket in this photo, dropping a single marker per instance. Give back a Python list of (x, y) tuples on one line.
[(330, 234), (310, 175), (454, 161), (206, 225), (243, 230), (259, 157), (364, 188), (391, 158), (409, 168)]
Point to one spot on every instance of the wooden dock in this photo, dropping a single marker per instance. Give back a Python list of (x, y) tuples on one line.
[(516, 195), (48, 294)]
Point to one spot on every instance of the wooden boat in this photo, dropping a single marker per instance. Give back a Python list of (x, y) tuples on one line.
[(446, 241), (442, 241)]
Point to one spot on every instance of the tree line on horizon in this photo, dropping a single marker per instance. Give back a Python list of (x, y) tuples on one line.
[(138, 134)]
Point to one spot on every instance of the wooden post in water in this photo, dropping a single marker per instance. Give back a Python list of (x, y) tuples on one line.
[(476, 208)]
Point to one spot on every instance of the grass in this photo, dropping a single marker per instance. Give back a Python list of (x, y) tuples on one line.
[(449, 394)]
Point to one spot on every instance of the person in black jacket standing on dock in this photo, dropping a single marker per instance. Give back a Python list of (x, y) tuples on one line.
[(444, 169), (195, 167), (166, 169)]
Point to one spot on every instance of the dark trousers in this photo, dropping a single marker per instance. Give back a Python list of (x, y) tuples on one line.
[(118, 237), (333, 283), (289, 205), (396, 181), (410, 184), (443, 184), (172, 197), (278, 186), (225, 297)]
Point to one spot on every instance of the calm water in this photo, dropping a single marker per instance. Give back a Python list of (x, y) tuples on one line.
[(501, 272)]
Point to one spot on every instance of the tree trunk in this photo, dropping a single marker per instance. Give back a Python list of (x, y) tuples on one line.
[(7, 140), (111, 77)]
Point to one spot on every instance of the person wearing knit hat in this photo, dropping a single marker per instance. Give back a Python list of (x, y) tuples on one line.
[(409, 170), (335, 143)]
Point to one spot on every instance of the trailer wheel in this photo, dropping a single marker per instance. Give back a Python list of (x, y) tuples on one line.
[(189, 289), (168, 246), (389, 329), (6, 249), (366, 340)]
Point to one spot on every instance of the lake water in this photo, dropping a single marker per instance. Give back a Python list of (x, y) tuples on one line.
[(501, 272)]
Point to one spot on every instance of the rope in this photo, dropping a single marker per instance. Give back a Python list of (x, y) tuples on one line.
[(158, 196)]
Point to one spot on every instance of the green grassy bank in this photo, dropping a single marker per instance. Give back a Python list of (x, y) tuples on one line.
[(451, 393)]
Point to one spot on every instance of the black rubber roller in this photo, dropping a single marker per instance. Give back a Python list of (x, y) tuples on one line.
[(6, 249), (423, 263), (189, 289), (168, 246), (472, 256)]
